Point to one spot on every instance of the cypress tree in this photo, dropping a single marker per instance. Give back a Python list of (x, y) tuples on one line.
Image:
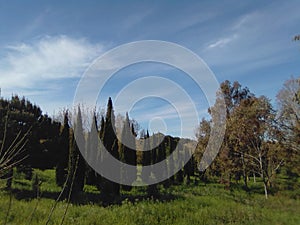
[(160, 156), (133, 153), (124, 139), (179, 163), (146, 158), (99, 156), (76, 168), (92, 151), (128, 153), (189, 166), (63, 155), (171, 166), (152, 189), (72, 166), (110, 141), (102, 125), (80, 173)]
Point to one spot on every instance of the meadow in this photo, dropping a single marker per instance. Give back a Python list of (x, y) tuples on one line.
[(186, 204)]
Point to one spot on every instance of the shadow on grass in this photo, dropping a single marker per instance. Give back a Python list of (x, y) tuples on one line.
[(86, 198)]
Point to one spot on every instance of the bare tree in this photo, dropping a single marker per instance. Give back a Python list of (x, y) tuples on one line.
[(288, 100)]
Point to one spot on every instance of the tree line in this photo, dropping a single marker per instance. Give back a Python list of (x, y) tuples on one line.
[(259, 142), (51, 144)]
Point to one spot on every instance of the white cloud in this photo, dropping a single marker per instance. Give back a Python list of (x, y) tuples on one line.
[(26, 64), (222, 42)]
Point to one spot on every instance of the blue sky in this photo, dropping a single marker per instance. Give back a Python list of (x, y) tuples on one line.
[(46, 46)]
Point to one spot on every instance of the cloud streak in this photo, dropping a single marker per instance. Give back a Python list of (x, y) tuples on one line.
[(222, 42), (254, 40)]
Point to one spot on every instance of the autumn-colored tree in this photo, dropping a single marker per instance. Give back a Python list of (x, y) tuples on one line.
[(255, 139), (232, 94)]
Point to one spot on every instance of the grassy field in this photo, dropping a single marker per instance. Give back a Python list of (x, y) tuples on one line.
[(184, 204)]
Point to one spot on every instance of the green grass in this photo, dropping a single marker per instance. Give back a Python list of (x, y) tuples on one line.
[(202, 204)]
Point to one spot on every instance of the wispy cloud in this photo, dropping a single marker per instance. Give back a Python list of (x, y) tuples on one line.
[(222, 42), (50, 58), (254, 40)]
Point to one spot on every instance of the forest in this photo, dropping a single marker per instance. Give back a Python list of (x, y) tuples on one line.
[(40, 159)]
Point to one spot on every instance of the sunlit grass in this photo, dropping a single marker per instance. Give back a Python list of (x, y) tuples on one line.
[(189, 204)]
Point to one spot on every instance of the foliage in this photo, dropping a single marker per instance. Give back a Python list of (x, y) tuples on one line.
[(109, 188), (252, 139), (128, 151), (64, 146)]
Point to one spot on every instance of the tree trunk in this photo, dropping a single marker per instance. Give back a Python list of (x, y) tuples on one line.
[(263, 177), (245, 177), (9, 180), (245, 182), (266, 189)]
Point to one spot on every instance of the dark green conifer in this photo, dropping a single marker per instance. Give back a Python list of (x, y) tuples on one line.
[(63, 154), (128, 152), (110, 189), (92, 152), (77, 165), (146, 158)]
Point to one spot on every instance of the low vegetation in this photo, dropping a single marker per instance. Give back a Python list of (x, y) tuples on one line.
[(181, 204)]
